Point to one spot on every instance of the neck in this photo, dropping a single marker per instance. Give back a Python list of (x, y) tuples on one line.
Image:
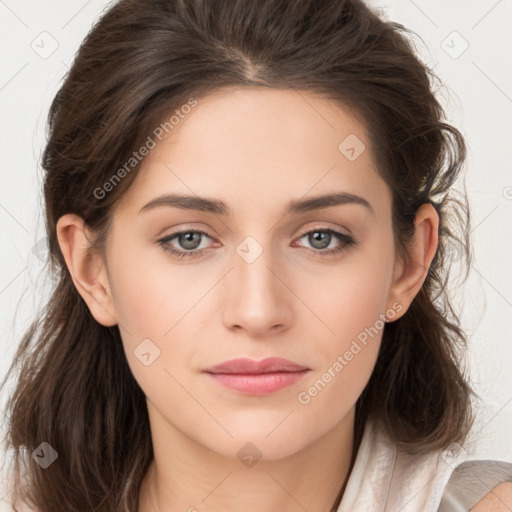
[(187, 476)]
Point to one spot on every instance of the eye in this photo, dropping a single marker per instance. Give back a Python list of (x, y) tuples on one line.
[(189, 242), (320, 239)]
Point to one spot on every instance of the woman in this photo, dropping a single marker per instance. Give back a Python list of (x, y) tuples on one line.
[(247, 211)]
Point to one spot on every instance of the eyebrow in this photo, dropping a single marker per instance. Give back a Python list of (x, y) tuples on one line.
[(218, 207)]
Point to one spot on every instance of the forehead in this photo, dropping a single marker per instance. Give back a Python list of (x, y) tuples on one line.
[(263, 146)]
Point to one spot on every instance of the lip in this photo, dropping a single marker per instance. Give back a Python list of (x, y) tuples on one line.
[(257, 377), (251, 367)]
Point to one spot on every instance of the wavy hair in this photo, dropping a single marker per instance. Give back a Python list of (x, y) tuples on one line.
[(141, 60)]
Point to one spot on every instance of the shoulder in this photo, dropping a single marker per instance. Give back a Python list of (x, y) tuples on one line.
[(479, 486), (497, 500)]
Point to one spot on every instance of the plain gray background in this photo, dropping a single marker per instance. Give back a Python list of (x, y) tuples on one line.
[(470, 46)]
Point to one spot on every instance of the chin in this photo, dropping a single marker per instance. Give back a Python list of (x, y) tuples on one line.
[(257, 443)]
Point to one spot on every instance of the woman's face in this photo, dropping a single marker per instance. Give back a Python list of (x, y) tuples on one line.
[(266, 280)]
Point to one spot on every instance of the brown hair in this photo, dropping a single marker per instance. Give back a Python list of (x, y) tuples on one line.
[(145, 58)]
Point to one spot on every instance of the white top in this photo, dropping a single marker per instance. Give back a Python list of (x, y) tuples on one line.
[(384, 479)]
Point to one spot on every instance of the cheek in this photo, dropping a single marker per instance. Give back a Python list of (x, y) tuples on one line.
[(158, 301), (334, 390), (350, 296), (353, 309), (349, 302), (151, 294)]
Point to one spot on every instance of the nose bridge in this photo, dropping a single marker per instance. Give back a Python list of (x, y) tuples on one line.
[(257, 298), (252, 266)]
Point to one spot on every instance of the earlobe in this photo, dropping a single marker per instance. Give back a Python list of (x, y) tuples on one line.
[(87, 270), (411, 272)]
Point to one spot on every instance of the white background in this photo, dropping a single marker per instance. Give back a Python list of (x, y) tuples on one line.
[(476, 92)]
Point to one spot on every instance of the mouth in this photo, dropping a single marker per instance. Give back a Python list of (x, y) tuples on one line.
[(257, 377)]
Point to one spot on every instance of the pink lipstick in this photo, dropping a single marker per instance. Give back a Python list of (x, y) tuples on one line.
[(257, 377)]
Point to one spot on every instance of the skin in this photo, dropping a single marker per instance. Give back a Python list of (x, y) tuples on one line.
[(289, 302), (497, 500)]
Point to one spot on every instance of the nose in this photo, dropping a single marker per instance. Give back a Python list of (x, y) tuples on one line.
[(258, 299)]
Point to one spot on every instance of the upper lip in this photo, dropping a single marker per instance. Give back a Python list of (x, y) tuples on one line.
[(249, 366)]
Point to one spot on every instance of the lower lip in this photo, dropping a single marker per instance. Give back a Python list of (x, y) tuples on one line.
[(258, 384)]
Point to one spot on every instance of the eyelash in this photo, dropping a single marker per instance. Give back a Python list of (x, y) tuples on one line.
[(347, 240)]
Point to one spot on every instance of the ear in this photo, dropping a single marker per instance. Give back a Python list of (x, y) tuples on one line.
[(88, 270), (410, 272)]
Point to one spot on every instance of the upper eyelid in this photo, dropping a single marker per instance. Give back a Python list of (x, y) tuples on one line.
[(306, 231)]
